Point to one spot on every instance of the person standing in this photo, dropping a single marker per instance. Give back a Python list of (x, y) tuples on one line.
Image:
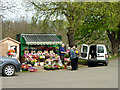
[(77, 52), (73, 58), (68, 51), (62, 53)]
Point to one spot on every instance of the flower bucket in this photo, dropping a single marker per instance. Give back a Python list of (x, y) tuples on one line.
[(64, 67), (33, 64), (31, 69)]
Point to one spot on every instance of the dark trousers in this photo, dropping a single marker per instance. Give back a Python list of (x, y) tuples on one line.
[(73, 64), (76, 62), (62, 58)]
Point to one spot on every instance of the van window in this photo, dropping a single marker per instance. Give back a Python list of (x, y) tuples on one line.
[(100, 49), (84, 48)]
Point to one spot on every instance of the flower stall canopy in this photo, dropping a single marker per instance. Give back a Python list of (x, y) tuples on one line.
[(41, 39)]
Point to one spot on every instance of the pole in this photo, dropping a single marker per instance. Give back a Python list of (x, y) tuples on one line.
[(0, 20), (0, 28)]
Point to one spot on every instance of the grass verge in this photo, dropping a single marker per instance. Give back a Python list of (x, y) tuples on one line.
[(24, 71), (112, 57), (84, 62)]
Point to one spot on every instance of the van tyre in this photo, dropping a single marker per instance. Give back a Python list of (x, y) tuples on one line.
[(106, 64), (89, 64), (9, 70)]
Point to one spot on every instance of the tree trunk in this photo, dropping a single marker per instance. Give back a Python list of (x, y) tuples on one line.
[(115, 48), (114, 42), (71, 39)]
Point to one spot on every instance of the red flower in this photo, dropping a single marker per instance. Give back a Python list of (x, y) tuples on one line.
[(37, 57), (9, 54), (41, 47), (51, 48), (56, 66), (33, 56)]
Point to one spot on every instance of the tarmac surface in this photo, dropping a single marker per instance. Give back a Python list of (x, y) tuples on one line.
[(85, 77)]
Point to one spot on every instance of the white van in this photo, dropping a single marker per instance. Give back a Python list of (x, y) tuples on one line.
[(96, 53)]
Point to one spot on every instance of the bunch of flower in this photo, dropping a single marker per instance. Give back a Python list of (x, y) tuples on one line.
[(47, 66), (51, 48), (35, 56), (67, 61), (30, 58), (33, 60), (57, 48), (56, 67), (76, 51), (26, 55), (52, 67), (46, 51), (62, 67), (42, 55), (54, 62), (11, 53), (67, 50)]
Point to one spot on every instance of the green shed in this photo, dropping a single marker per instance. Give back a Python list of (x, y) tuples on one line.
[(34, 41)]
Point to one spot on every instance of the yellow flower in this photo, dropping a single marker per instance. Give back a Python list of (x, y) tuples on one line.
[(46, 59), (76, 51), (32, 61), (35, 60)]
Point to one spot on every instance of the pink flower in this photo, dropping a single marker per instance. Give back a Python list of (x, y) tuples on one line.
[(67, 51)]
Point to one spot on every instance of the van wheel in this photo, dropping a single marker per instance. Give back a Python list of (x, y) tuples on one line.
[(9, 70), (89, 64), (106, 63)]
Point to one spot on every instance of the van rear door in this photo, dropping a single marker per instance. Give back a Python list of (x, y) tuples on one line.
[(84, 51), (100, 52)]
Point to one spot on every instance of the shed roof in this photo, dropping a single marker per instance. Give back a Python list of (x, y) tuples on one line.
[(41, 39), (8, 38)]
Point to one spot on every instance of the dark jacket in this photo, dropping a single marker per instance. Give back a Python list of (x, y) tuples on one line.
[(61, 49)]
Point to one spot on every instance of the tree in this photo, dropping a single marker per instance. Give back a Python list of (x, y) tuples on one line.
[(74, 13), (111, 19), (6, 6), (11, 29), (69, 11), (89, 31), (103, 19)]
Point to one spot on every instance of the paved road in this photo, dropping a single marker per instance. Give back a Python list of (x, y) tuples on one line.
[(85, 77)]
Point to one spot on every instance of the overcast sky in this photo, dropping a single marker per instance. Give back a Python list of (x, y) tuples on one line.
[(16, 12), (19, 10)]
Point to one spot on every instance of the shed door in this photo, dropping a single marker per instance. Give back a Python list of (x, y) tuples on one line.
[(84, 51)]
